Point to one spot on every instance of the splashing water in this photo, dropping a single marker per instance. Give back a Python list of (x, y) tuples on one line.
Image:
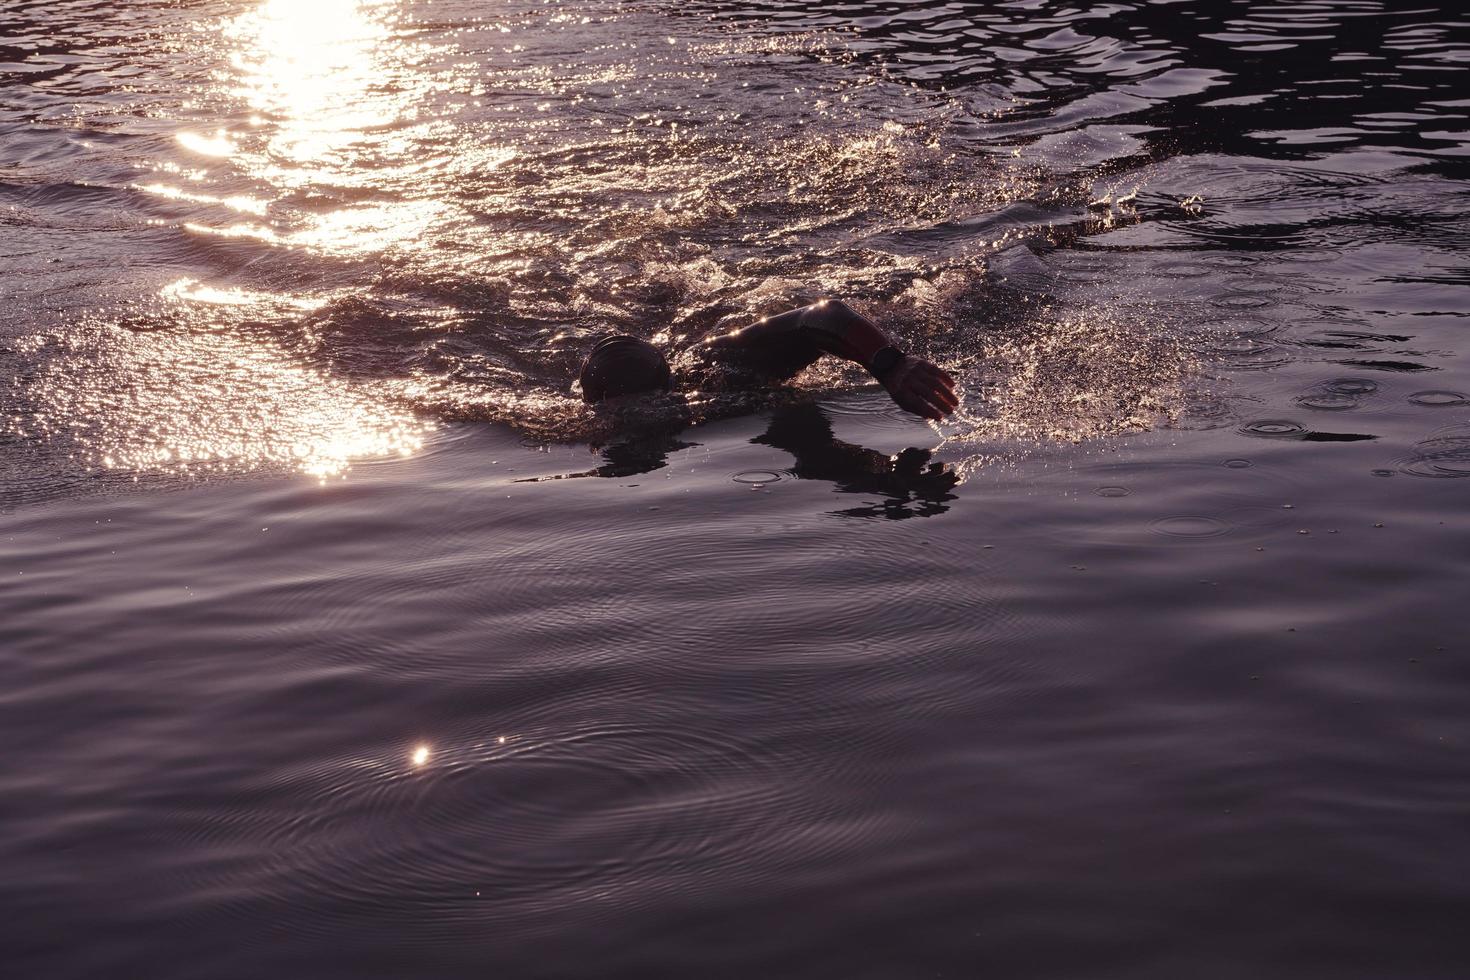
[(429, 219)]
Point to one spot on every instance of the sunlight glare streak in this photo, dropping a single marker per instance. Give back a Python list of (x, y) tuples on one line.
[(218, 145), (193, 291), (240, 202)]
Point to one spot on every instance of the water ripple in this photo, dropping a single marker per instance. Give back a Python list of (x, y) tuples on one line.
[(1444, 455)]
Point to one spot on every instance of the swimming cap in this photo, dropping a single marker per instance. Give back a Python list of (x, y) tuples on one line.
[(622, 365)]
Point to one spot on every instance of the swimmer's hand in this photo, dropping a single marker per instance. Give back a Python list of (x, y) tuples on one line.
[(921, 387)]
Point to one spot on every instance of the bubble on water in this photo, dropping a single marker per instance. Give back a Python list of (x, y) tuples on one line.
[(1256, 284), (1183, 270), (1190, 527), (1439, 399), (1086, 270), (1241, 345), (1233, 260), (756, 477), (1313, 254), (1328, 401), (1242, 301), (1350, 386), (1273, 429)]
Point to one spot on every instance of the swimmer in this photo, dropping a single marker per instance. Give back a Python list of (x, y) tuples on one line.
[(774, 349)]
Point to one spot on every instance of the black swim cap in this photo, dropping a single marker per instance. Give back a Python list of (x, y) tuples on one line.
[(622, 365)]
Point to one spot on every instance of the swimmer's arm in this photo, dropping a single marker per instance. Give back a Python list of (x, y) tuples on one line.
[(784, 345), (774, 346)]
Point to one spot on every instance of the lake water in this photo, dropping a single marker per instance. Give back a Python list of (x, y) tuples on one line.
[(337, 639)]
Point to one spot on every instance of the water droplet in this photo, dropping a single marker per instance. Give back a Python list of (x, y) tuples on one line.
[(1239, 464), (1112, 491)]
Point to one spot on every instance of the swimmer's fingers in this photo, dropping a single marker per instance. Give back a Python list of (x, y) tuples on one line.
[(926, 402), (908, 401), (941, 374), (934, 386), (919, 387), (904, 389), (941, 385), (940, 408)]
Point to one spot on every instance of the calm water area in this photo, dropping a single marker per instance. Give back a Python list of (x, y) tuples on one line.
[(339, 639)]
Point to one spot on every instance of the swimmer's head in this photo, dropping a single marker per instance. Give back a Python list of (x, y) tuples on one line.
[(623, 365)]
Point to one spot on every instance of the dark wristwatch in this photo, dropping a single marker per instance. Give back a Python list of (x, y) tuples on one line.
[(884, 361)]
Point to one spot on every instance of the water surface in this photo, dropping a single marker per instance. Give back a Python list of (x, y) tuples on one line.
[(338, 639)]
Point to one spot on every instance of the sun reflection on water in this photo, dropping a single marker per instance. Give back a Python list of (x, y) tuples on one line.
[(193, 404), (315, 70), (333, 90), (343, 100), (218, 145)]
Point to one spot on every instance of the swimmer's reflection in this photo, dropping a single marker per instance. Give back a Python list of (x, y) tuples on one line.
[(630, 456), (910, 484)]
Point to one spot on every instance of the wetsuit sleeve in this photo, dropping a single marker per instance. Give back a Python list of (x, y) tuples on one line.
[(781, 347)]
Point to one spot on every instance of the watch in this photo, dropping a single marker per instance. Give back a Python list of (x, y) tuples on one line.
[(884, 361)]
